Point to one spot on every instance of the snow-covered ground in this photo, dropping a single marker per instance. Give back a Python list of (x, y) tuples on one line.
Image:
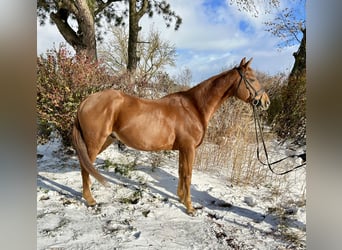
[(140, 209)]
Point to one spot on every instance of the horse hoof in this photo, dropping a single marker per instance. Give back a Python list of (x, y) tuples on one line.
[(191, 212), (91, 203)]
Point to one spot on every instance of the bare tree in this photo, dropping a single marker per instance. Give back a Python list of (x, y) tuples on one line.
[(114, 52), (287, 25), (153, 53), (137, 9)]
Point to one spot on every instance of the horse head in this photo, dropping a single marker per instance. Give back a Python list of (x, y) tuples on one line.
[(248, 87)]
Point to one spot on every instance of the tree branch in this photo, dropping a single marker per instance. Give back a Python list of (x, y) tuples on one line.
[(67, 32), (101, 5), (143, 9), (69, 5)]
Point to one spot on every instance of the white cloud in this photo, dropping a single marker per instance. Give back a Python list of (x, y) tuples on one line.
[(215, 36), (200, 30)]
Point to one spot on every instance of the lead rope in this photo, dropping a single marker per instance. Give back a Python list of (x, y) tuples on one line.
[(257, 125)]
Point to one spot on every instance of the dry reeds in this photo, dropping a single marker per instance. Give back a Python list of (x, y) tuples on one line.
[(230, 144)]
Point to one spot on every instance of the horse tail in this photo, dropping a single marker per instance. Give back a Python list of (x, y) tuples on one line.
[(82, 152)]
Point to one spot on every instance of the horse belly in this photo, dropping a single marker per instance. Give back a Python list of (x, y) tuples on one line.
[(148, 137)]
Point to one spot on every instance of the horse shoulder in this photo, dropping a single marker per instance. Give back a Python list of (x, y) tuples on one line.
[(191, 125)]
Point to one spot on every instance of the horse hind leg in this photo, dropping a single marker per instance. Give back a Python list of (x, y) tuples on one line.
[(93, 151), (86, 188)]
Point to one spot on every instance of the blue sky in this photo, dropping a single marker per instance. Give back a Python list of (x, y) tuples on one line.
[(214, 36)]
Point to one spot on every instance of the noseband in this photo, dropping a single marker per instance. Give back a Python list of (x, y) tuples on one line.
[(252, 91)]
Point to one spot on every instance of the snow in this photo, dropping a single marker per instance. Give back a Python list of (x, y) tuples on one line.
[(140, 209)]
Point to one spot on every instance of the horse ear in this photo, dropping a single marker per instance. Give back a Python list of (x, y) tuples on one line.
[(243, 61), (249, 62)]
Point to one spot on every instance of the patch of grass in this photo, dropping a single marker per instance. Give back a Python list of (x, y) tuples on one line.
[(123, 169), (156, 160), (133, 198)]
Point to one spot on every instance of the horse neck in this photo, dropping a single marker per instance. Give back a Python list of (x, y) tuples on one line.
[(209, 95)]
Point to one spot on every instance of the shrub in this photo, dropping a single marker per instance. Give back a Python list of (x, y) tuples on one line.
[(287, 110), (63, 81)]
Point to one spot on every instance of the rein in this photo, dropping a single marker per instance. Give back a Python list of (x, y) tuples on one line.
[(258, 126)]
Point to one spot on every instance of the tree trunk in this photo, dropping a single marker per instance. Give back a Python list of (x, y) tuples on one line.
[(84, 40), (134, 28), (132, 37), (87, 29), (299, 68)]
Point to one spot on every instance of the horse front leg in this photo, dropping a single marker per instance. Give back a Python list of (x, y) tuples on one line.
[(181, 187), (186, 159)]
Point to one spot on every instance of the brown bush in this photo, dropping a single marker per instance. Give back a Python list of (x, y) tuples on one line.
[(63, 81)]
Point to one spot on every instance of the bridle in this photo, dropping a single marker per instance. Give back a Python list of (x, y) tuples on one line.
[(252, 91), (255, 102)]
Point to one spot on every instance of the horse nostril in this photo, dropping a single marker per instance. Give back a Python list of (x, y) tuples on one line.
[(256, 102)]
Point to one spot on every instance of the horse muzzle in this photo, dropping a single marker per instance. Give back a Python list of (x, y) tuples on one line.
[(262, 101)]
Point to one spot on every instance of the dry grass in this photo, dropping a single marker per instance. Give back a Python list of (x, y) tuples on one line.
[(230, 144)]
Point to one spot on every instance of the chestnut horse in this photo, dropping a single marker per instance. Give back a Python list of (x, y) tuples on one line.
[(177, 121)]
